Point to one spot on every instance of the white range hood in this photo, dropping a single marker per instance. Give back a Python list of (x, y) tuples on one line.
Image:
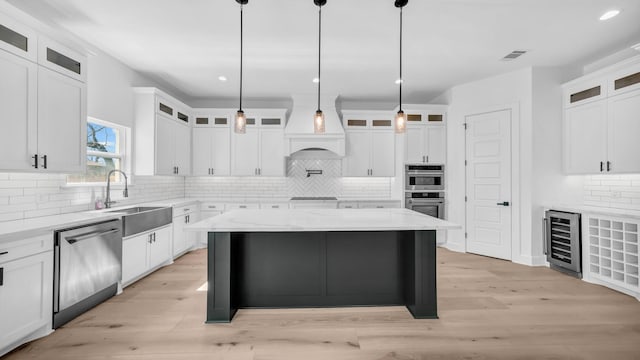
[(299, 136)]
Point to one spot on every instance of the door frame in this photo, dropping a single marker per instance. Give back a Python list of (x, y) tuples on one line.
[(515, 142)]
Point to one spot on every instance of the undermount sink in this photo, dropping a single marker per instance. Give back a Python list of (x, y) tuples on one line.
[(139, 219)]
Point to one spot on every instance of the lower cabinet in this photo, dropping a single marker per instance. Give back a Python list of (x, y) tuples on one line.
[(144, 252), (184, 240), (26, 293)]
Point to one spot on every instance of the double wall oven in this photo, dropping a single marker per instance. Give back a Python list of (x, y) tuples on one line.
[(424, 189)]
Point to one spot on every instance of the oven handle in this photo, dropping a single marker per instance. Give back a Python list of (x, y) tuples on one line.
[(418, 202), (90, 235), (425, 172)]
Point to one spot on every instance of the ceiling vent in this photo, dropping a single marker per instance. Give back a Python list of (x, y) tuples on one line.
[(514, 55)]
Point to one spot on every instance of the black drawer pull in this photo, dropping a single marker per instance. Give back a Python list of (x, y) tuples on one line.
[(4, 253)]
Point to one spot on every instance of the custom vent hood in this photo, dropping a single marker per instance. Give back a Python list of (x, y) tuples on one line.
[(299, 136)]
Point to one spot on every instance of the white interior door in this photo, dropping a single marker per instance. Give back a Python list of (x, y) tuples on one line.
[(488, 178)]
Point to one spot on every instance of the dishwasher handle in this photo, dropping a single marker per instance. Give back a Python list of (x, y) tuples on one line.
[(72, 240)]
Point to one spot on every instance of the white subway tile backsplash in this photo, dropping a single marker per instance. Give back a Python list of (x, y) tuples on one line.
[(11, 192), (612, 191), (12, 184), (22, 199)]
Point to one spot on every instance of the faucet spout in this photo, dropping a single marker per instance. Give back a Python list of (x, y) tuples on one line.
[(125, 193)]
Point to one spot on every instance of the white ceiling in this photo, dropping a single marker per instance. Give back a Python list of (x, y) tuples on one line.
[(447, 42)]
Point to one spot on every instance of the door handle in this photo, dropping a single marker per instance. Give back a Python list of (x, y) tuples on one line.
[(504, 203)]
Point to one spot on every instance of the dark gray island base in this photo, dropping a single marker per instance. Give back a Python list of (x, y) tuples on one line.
[(321, 269)]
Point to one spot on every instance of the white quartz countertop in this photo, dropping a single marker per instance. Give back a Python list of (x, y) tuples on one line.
[(583, 209), (272, 220)]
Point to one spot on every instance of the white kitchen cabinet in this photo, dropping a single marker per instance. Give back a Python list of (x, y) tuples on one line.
[(43, 104), (162, 136), (369, 153), (426, 144), (62, 124), (260, 151), (585, 139), (600, 126), (623, 151), (143, 253), (26, 290), (610, 252), (19, 104), (184, 240), (211, 151), (18, 39)]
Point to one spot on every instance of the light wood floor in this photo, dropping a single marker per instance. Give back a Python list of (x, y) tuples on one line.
[(489, 309)]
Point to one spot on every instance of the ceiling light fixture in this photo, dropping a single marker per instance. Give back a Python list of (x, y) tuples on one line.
[(401, 119), (636, 47), (318, 118), (315, 80), (222, 78), (609, 14), (240, 126)]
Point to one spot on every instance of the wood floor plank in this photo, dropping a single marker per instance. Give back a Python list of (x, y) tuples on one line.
[(488, 309)]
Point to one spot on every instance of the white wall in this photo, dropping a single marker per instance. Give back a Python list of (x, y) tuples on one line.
[(538, 181)]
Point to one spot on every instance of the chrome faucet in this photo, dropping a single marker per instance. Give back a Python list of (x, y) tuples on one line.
[(125, 193)]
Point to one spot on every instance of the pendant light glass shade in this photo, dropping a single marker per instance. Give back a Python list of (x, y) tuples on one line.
[(400, 122), (318, 117), (318, 122), (240, 125)]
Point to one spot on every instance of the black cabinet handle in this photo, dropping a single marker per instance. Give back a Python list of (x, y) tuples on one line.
[(45, 161), (504, 203), (608, 165), (4, 253), (35, 161), (1, 276), (601, 166)]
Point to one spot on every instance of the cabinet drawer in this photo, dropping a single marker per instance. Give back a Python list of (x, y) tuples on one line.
[(348, 205), (212, 206), (379, 204), (27, 247), (184, 210), (279, 205), (234, 206)]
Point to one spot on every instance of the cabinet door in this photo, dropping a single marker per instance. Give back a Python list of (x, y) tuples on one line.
[(165, 146), (62, 124), (624, 133), (202, 150), (245, 153), (436, 144), (183, 149), (179, 240), (221, 155), (415, 144), (25, 296), (358, 153), (383, 153), (18, 103), (585, 139), (272, 153), (160, 248), (134, 257)]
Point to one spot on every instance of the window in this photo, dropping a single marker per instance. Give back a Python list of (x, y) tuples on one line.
[(106, 151)]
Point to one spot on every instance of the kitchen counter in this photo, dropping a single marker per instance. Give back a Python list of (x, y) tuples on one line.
[(321, 220), (598, 210), (321, 258)]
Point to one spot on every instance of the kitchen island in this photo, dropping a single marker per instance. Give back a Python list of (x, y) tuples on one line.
[(321, 258)]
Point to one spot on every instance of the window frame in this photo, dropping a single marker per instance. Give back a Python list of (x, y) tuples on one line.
[(123, 153)]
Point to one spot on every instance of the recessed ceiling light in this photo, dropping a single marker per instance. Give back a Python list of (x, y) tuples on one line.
[(315, 80), (636, 47), (609, 14), (222, 78), (399, 81)]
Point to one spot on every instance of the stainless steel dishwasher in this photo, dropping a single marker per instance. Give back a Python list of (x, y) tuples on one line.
[(87, 268)]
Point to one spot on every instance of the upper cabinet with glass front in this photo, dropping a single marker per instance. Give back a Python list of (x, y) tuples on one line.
[(43, 100), (370, 144), (260, 150), (601, 126), (162, 140), (426, 139)]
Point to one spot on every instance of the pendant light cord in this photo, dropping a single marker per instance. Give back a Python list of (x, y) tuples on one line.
[(319, 49), (241, 46), (401, 80)]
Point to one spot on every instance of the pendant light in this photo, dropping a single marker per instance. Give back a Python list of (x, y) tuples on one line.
[(401, 118), (318, 118), (240, 126)]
